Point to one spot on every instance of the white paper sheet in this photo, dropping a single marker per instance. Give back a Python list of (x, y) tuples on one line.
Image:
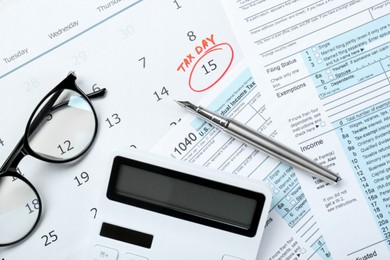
[(133, 49)]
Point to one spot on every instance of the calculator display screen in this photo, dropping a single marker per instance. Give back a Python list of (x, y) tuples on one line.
[(185, 196)]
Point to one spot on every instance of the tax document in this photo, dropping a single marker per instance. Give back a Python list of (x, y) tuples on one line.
[(292, 230), (323, 68)]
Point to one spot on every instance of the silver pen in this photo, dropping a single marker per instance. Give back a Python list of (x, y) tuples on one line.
[(262, 142)]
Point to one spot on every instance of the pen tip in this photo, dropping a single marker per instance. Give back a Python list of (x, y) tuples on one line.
[(186, 104), (181, 103)]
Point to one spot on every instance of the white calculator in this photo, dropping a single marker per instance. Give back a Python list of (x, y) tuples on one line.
[(159, 208)]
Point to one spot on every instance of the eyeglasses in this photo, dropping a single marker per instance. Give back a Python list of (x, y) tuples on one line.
[(62, 128)]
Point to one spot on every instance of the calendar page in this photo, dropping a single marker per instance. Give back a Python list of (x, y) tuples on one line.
[(314, 76), (145, 53)]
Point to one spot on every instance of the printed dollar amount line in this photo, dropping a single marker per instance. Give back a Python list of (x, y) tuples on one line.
[(70, 39)]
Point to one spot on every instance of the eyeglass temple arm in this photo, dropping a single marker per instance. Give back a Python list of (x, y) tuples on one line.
[(17, 154), (95, 94)]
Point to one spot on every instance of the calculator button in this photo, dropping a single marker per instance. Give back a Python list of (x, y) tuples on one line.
[(104, 253), (129, 256), (229, 257)]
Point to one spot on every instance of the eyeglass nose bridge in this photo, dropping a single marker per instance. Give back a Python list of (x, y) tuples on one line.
[(13, 160)]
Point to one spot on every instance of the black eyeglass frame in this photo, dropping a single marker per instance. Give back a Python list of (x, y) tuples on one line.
[(22, 149)]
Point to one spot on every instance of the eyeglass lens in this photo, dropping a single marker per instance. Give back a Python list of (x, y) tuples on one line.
[(19, 209), (67, 128), (61, 129)]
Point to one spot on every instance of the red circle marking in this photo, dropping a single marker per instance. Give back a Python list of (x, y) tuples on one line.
[(214, 48)]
